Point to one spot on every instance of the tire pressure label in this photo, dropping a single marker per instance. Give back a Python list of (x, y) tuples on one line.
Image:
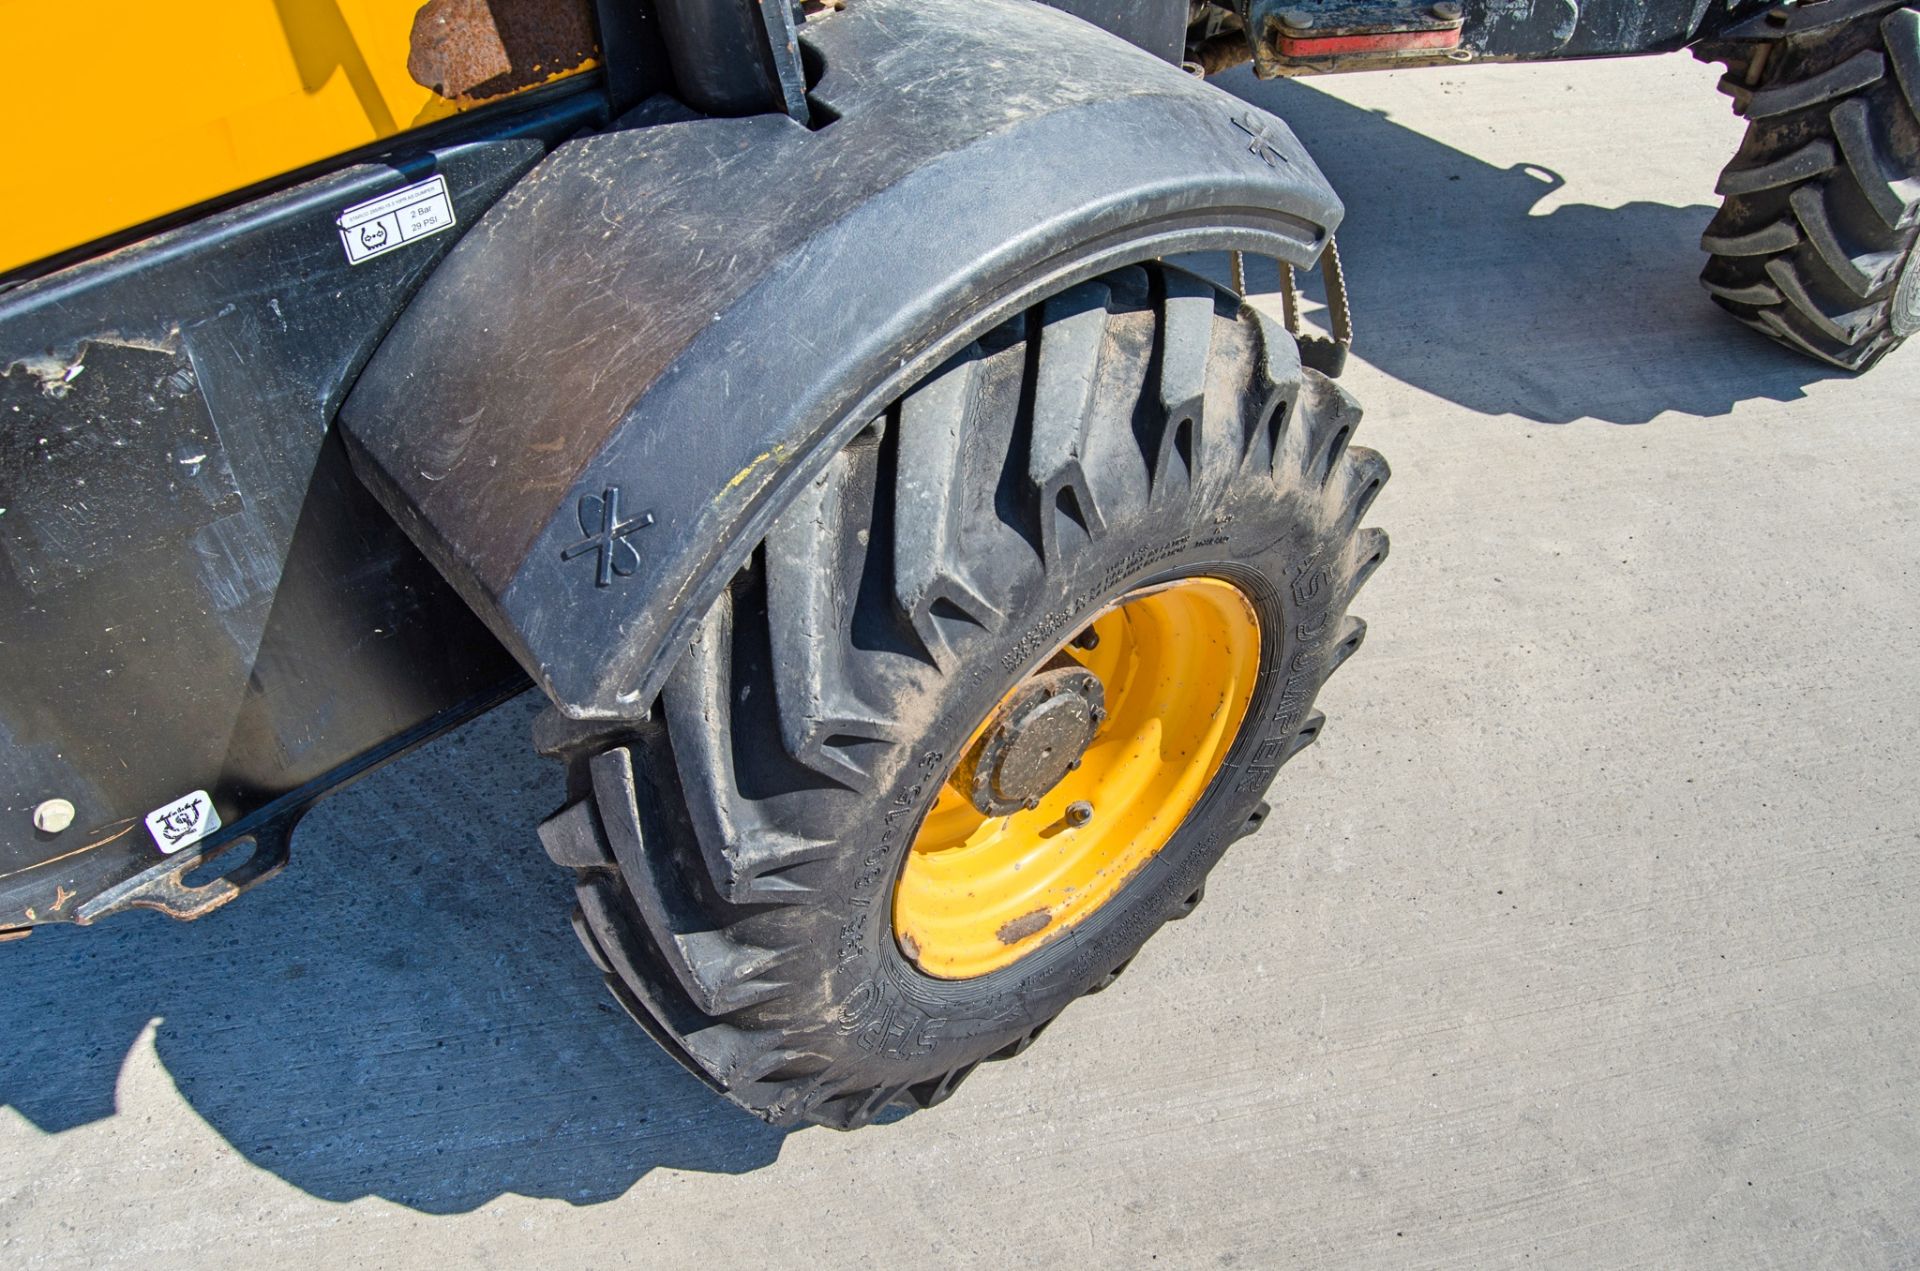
[(182, 823), (393, 220)]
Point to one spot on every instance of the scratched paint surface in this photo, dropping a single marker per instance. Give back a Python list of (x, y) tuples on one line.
[(124, 111), (119, 473)]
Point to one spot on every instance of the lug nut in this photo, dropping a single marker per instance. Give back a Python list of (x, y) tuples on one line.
[(53, 816), (1032, 803), (1079, 813)]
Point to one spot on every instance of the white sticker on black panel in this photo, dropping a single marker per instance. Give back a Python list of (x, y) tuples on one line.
[(182, 823), (393, 220)]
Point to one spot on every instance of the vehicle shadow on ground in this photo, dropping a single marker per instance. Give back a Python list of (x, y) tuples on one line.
[(1459, 289), (403, 1014)]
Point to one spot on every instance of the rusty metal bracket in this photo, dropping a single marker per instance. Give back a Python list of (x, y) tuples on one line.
[(165, 886)]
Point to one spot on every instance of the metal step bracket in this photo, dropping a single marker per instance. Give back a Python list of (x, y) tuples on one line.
[(1290, 35)]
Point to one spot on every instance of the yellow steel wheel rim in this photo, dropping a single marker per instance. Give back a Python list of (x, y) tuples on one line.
[(1178, 663)]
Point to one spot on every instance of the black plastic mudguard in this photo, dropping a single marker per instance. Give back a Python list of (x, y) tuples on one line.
[(602, 398)]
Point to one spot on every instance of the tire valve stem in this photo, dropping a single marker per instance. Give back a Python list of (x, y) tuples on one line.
[(1088, 639), (1079, 813)]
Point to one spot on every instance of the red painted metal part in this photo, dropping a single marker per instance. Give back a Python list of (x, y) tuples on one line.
[(1308, 46)]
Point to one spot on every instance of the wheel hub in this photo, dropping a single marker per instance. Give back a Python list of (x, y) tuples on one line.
[(1043, 730), (1076, 780), (1905, 315)]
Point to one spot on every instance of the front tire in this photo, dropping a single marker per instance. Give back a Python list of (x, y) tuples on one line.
[(738, 853)]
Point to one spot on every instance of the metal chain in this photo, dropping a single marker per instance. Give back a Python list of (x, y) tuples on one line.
[(1338, 309)]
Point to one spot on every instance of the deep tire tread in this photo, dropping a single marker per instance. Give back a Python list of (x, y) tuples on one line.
[(1816, 158), (1822, 203), (1072, 335), (821, 717), (931, 587)]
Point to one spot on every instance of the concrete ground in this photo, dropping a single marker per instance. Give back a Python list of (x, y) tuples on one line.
[(1586, 936)]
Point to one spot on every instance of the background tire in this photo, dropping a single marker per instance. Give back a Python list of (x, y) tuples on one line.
[(1814, 245), (737, 851)]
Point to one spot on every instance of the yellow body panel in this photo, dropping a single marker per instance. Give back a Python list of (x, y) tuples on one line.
[(122, 111), (1178, 663)]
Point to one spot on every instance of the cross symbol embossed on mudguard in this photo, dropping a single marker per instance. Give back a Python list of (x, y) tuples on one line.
[(1261, 143), (606, 534)]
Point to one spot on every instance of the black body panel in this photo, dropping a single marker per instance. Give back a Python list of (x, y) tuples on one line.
[(195, 593)]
